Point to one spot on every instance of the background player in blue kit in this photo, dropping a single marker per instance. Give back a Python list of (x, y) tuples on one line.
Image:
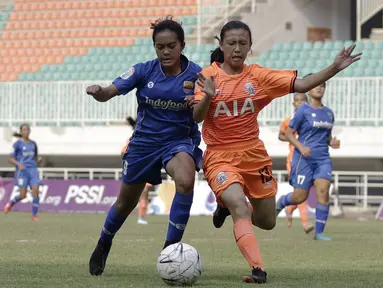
[(162, 137), (311, 162), (25, 158)]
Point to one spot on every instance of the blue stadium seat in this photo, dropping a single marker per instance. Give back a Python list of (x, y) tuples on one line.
[(318, 45), (328, 45), (297, 46)]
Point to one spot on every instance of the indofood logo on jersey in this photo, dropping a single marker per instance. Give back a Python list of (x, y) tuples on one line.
[(322, 124), (166, 104)]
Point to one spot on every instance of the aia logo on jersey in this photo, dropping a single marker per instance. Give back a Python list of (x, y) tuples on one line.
[(221, 178), (188, 87), (249, 88)]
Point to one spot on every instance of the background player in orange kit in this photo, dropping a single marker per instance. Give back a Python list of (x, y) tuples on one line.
[(299, 99), (229, 97), (144, 199)]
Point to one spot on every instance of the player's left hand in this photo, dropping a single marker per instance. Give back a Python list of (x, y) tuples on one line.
[(345, 58), (190, 100), (334, 143), (39, 159), (207, 84)]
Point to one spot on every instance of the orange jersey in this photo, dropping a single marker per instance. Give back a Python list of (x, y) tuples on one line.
[(233, 112), (289, 159), (283, 128)]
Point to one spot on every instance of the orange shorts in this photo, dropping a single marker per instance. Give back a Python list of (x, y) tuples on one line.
[(243, 163)]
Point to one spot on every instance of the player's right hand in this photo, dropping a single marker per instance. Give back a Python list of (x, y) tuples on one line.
[(305, 151), (20, 166), (93, 90)]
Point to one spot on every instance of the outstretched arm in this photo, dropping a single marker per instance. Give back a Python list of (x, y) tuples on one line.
[(342, 61), (102, 94)]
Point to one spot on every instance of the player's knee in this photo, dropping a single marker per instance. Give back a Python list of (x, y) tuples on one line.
[(240, 211), (184, 183), (266, 222), (23, 196), (124, 207), (322, 195), (299, 196)]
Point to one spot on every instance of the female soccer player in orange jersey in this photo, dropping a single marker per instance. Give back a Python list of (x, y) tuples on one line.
[(229, 97), (299, 99)]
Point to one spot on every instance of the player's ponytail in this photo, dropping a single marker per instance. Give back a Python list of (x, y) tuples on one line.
[(217, 54), (17, 135), (132, 122)]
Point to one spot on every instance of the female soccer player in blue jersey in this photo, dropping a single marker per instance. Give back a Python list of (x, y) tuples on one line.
[(25, 158), (162, 137), (311, 162)]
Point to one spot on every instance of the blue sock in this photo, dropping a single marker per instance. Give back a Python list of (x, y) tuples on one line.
[(113, 223), (321, 215), (178, 218), (35, 205), (15, 200), (286, 200)]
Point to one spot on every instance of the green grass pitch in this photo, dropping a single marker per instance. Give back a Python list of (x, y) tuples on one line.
[(54, 252)]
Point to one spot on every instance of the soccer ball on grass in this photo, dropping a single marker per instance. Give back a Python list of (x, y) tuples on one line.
[(179, 265)]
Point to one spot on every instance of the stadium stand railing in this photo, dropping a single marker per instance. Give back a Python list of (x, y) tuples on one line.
[(366, 10), (355, 102), (361, 189)]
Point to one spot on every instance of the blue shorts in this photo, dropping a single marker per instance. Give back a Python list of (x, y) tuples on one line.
[(27, 177), (143, 164), (305, 171)]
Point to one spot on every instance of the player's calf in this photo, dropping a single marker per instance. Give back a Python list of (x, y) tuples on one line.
[(292, 198)]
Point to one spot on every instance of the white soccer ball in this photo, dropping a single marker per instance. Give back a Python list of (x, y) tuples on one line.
[(179, 265)]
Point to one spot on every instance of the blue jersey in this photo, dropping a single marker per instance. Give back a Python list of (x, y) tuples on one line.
[(25, 153), (163, 115), (314, 127)]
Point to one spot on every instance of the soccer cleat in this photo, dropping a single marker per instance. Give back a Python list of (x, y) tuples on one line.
[(142, 221), (322, 237), (35, 218), (7, 208), (219, 216), (289, 218), (98, 259), (308, 228), (257, 276), (278, 207)]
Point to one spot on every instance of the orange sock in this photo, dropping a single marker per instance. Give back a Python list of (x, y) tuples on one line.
[(247, 242), (304, 214), (142, 205), (291, 208)]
